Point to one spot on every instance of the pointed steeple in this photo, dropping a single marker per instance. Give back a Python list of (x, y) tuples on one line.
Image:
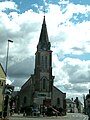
[(44, 43)]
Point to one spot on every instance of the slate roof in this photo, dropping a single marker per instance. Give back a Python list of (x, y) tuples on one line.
[(44, 43)]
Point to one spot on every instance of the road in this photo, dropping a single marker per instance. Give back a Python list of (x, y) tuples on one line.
[(69, 116), (76, 116)]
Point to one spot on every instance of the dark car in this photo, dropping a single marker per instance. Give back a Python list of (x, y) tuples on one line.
[(36, 112)]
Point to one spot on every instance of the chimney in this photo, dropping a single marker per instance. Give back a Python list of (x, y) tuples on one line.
[(76, 98)]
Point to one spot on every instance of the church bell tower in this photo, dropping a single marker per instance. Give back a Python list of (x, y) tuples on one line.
[(43, 67)]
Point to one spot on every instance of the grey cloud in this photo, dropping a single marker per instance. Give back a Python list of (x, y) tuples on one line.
[(22, 68), (20, 71), (79, 88), (60, 37), (18, 82), (76, 88), (76, 73), (79, 77), (78, 49)]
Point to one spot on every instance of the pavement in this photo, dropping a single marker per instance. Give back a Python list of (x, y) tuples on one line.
[(69, 116), (4, 118), (17, 115), (41, 116)]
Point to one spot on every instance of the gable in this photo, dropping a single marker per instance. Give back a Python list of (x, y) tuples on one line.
[(2, 73), (44, 77), (69, 101), (58, 92)]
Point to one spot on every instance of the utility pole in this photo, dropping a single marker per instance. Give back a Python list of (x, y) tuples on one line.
[(7, 56), (5, 111)]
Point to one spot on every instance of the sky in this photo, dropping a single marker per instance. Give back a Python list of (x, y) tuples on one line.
[(68, 26)]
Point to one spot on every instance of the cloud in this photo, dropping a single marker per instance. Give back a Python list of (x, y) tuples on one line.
[(8, 5), (68, 34), (22, 68), (72, 74)]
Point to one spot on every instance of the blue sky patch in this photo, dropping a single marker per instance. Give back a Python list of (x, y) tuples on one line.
[(85, 56), (79, 18), (82, 2)]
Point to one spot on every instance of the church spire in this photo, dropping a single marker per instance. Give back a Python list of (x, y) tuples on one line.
[(44, 43)]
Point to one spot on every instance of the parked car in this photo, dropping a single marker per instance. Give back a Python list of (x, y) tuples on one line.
[(35, 112)]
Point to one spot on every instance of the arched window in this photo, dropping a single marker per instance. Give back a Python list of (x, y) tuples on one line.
[(42, 61), (45, 61), (2, 84), (44, 83), (25, 100), (69, 105), (58, 101)]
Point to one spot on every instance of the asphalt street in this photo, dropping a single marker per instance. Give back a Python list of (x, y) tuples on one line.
[(70, 116)]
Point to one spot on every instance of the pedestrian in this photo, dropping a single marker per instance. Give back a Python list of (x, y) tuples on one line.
[(24, 113)]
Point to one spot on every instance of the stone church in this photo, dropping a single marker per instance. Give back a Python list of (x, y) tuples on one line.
[(39, 90)]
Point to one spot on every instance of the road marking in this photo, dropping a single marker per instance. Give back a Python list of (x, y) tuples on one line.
[(86, 118)]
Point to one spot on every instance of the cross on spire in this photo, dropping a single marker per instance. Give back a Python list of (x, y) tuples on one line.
[(44, 10)]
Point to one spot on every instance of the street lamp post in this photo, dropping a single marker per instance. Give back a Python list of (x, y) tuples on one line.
[(7, 56), (6, 112)]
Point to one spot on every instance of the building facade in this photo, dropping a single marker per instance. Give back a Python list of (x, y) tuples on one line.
[(58, 98), (79, 105), (71, 106), (88, 104), (2, 83), (38, 91)]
